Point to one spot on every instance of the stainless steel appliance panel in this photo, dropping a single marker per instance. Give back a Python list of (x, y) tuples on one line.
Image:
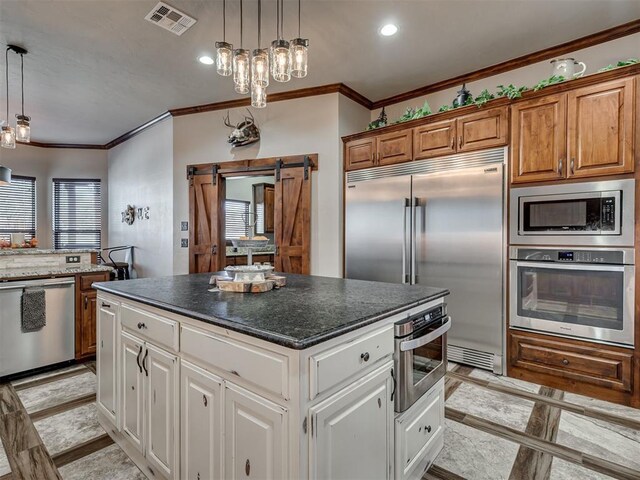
[(377, 229), (458, 224), (621, 233), (55, 343)]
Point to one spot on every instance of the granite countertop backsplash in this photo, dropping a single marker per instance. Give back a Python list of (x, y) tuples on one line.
[(308, 311), (42, 251), (49, 271)]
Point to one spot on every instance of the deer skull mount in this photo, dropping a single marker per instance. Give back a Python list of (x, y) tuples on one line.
[(244, 133)]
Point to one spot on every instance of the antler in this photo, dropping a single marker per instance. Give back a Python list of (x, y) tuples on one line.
[(253, 120), (227, 122)]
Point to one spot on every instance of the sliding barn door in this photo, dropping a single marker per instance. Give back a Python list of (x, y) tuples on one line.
[(293, 221), (206, 218)]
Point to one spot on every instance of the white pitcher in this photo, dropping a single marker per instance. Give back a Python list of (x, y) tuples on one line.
[(567, 68)]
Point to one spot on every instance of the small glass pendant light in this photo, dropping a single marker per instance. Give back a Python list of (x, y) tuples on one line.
[(23, 129), (280, 54), (258, 96), (224, 50), (7, 137), (299, 48), (260, 57), (241, 64)]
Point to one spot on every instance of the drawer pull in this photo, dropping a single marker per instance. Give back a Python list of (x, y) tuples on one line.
[(141, 326), (247, 467), (204, 400), (565, 361), (365, 356), (427, 429), (105, 305), (138, 359)]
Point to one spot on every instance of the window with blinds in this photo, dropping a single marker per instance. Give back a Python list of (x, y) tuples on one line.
[(18, 208), (77, 213), (236, 215)]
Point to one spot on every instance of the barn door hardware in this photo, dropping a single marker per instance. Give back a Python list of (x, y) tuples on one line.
[(214, 173), (306, 167), (278, 167), (191, 171)]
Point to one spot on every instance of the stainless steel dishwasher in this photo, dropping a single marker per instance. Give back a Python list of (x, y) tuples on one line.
[(54, 343)]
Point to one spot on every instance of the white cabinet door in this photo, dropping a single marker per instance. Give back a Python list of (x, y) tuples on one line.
[(352, 431), (161, 409), (255, 436), (132, 349), (106, 359), (201, 415)]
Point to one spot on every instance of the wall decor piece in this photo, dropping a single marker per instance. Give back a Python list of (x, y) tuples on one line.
[(464, 96), (244, 133), (139, 213), (146, 213), (379, 122), (566, 67), (129, 215)]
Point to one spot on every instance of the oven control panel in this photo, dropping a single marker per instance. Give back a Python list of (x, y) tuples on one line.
[(612, 257), (416, 322)]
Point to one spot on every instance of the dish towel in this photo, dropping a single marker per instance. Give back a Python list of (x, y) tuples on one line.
[(34, 306)]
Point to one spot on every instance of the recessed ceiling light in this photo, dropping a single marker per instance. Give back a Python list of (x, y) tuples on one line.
[(206, 59), (388, 30)]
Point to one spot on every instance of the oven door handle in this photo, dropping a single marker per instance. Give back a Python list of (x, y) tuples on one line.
[(595, 267), (430, 337)]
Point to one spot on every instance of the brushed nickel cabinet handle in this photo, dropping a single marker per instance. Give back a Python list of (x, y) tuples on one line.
[(560, 166), (453, 142), (571, 165), (86, 302), (565, 361), (460, 141)]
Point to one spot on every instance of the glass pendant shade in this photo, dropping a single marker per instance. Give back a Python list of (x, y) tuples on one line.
[(23, 129), (5, 175), (241, 70), (299, 47), (7, 137), (260, 68), (280, 61), (258, 96), (224, 58)]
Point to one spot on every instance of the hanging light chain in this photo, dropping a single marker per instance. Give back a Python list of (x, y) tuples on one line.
[(224, 21), (6, 71)]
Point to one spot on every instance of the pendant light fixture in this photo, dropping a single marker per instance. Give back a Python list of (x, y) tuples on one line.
[(260, 57), (224, 50), (7, 133), (280, 53), (23, 129), (241, 63), (299, 48)]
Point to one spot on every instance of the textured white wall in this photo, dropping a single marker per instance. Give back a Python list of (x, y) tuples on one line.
[(48, 163), (595, 57), (141, 174)]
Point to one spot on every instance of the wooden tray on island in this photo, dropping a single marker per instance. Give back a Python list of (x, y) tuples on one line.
[(226, 284)]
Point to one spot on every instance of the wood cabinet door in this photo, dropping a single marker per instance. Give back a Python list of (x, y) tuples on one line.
[(394, 147), (255, 436), (539, 139), (269, 202), (106, 359), (161, 422), (600, 123), (360, 153), (88, 301), (485, 129), (201, 415), (355, 423), (132, 355), (434, 139), (292, 221), (206, 199)]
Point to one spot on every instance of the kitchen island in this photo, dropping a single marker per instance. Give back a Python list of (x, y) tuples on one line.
[(293, 383)]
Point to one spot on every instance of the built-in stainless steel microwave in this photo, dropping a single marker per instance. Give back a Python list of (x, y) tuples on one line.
[(589, 213)]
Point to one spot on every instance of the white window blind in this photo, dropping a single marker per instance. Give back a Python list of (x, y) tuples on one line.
[(236, 215), (77, 213), (18, 207)]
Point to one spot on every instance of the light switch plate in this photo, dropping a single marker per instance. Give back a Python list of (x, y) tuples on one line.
[(184, 226), (184, 242)]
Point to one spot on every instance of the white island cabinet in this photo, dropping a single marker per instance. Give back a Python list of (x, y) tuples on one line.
[(191, 400)]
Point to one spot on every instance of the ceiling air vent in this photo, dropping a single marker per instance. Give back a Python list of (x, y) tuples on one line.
[(169, 18)]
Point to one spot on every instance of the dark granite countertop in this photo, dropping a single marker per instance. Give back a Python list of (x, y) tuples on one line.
[(308, 311)]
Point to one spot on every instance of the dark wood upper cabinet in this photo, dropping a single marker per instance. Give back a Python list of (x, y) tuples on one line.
[(269, 203), (434, 139), (485, 129), (600, 129), (539, 139), (395, 147), (360, 153)]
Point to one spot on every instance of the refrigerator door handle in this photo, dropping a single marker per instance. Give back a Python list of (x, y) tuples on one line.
[(415, 204), (406, 265)]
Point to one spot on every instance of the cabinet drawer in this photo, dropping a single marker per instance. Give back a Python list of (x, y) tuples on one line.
[(335, 365), (87, 280), (157, 329), (263, 368), (417, 428), (595, 365)]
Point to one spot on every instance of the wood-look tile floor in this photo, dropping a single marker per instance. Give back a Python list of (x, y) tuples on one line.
[(496, 428)]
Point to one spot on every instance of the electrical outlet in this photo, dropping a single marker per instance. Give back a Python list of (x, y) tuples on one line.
[(73, 259), (184, 226), (184, 242)]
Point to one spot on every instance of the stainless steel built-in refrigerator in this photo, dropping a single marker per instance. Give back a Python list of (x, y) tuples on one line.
[(437, 222)]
